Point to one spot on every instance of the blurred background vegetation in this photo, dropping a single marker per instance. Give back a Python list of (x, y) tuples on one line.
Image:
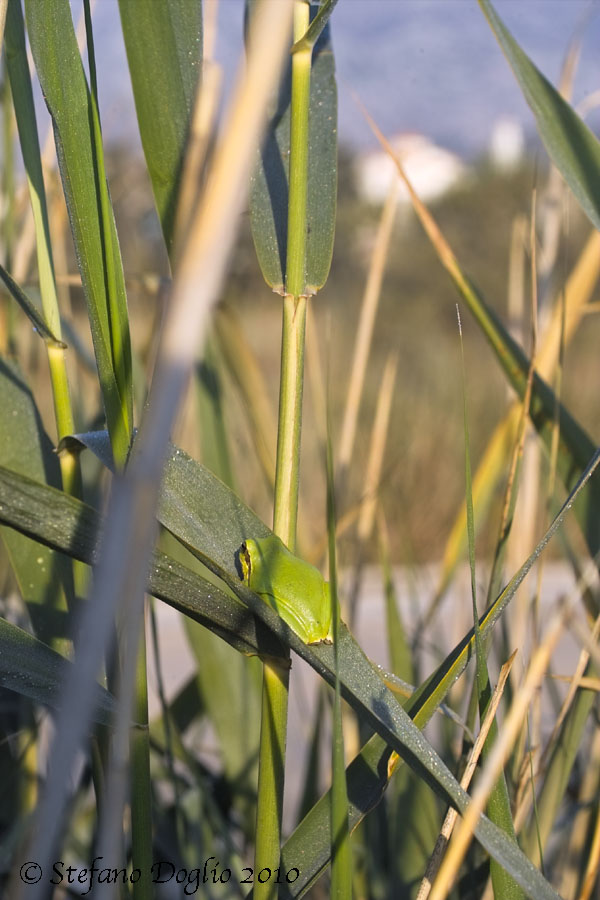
[(421, 487), (422, 475), (422, 482)]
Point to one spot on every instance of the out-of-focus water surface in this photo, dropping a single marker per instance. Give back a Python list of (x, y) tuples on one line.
[(419, 65)]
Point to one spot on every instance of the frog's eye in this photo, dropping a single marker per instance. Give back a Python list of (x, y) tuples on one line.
[(244, 561)]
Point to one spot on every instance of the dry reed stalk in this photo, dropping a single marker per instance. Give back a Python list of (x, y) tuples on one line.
[(377, 448), (364, 333)]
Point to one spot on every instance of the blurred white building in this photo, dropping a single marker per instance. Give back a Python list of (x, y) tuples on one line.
[(507, 144), (432, 170)]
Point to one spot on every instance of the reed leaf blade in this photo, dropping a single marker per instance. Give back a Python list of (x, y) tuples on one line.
[(67, 95), (269, 188), (164, 51), (572, 147), (31, 668)]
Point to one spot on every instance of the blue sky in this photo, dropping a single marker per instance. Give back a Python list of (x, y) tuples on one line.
[(419, 65)]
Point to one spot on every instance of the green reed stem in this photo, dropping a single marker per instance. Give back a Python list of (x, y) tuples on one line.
[(141, 794), (8, 171), (8, 218), (287, 473), (276, 677), (295, 273)]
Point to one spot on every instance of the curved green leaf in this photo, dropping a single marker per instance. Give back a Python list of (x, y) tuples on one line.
[(63, 81), (34, 670), (164, 51), (572, 147), (269, 186), (17, 65), (30, 309)]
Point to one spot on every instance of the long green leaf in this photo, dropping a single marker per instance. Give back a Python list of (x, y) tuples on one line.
[(164, 51), (20, 84), (269, 189), (63, 81), (213, 523), (113, 278), (34, 670), (573, 148)]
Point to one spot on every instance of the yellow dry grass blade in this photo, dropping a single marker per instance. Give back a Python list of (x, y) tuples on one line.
[(364, 333), (379, 435)]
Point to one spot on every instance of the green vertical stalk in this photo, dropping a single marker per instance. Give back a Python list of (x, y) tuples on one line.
[(295, 272), (287, 472), (285, 514), (8, 221), (8, 172), (141, 795)]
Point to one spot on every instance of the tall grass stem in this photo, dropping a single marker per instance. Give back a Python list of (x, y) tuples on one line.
[(276, 678), (295, 272)]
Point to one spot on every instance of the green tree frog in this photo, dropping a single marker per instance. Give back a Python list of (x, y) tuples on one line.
[(293, 588)]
